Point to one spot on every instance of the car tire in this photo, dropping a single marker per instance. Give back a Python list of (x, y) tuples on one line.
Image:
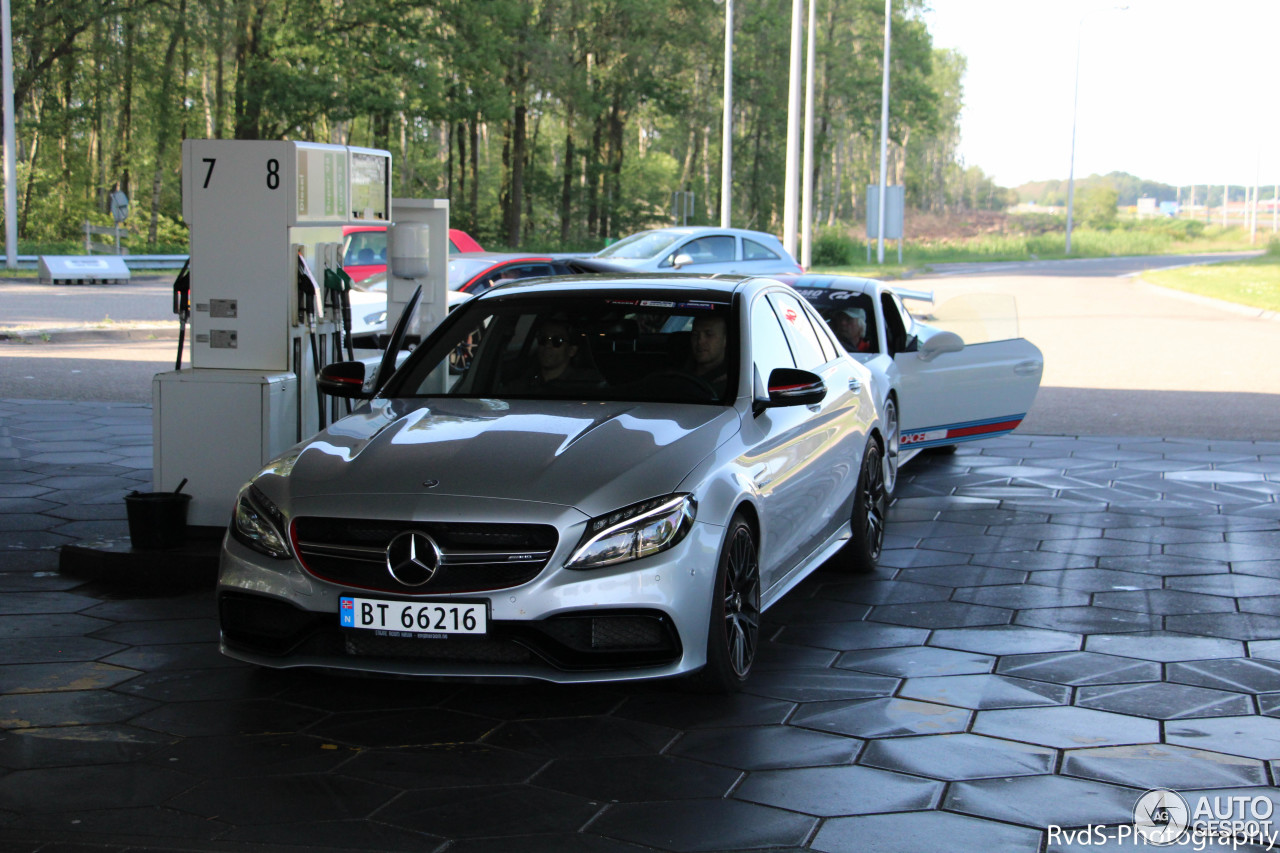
[(733, 634), (862, 552), (892, 439)]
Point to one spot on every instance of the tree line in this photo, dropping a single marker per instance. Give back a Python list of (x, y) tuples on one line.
[(544, 122)]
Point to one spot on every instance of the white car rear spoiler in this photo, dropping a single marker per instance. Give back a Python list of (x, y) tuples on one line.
[(920, 295)]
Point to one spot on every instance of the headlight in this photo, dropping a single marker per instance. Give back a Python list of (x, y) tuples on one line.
[(633, 532), (259, 524)]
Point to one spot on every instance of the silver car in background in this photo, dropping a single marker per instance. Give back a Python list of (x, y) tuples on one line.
[(702, 250), (614, 484)]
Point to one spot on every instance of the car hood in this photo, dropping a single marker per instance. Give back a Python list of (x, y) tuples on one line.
[(595, 456)]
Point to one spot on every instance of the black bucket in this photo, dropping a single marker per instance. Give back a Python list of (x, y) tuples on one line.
[(157, 519)]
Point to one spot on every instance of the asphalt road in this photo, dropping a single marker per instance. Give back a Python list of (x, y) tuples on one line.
[(1122, 357)]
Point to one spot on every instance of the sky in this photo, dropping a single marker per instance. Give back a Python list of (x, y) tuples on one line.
[(1175, 91)]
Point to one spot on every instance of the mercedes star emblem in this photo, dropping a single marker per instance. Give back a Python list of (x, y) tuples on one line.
[(412, 558)]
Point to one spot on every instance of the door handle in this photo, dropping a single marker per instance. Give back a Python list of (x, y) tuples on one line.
[(854, 385), (1028, 368)]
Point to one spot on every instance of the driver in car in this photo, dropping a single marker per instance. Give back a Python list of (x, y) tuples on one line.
[(555, 347), (850, 326)]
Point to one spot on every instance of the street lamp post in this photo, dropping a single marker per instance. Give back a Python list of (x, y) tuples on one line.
[(884, 133), (1075, 105)]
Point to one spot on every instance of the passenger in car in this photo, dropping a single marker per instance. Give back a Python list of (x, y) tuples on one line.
[(706, 351), (850, 326)]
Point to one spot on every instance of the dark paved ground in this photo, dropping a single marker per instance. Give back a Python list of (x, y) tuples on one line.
[(1059, 624)]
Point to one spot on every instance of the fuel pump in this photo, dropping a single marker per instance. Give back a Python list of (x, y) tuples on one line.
[(264, 215)]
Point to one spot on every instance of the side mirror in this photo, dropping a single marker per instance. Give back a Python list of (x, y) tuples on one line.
[(681, 260), (941, 342), (343, 379), (791, 387)]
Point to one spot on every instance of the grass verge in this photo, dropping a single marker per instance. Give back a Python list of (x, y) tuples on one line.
[(1255, 282)]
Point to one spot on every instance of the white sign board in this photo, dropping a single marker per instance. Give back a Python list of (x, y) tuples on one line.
[(83, 269)]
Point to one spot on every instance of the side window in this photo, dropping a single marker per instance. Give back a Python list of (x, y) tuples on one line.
[(897, 324), (709, 250), (769, 349), (800, 334), (822, 333), (753, 251)]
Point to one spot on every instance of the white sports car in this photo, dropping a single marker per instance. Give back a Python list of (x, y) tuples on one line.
[(936, 388)]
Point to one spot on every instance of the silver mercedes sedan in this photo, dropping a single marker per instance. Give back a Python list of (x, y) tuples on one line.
[(570, 480)]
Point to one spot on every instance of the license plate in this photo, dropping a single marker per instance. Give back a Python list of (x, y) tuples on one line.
[(413, 618)]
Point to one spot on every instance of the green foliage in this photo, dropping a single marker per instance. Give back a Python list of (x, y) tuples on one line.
[(833, 248), (1096, 207)]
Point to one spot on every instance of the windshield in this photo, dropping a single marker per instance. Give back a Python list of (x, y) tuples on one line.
[(462, 270), (977, 317), (646, 244), (642, 347)]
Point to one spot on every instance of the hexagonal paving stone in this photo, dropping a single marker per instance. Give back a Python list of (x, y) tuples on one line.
[(69, 708), (916, 661), (957, 575), (913, 558), (767, 747), (571, 737), (1231, 585), (1022, 596), (922, 832), (956, 757), (1005, 640), (1098, 580), (984, 543), (490, 810), (1099, 547), (1239, 626), (980, 692), (1229, 551), (1163, 701), (1244, 675), (1163, 766), (110, 786), (816, 685), (1253, 737), (1066, 728), (1090, 620), (884, 592), (71, 675), (1165, 565), (704, 825), (639, 778), (1164, 646), (882, 718), (834, 791), (1266, 604), (940, 614), (846, 636), (1167, 602), (1078, 668), (1035, 561), (1042, 801)]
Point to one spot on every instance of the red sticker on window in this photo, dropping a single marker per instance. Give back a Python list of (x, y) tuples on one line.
[(791, 315)]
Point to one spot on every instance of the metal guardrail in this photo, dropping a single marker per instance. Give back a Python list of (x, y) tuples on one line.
[(134, 262)]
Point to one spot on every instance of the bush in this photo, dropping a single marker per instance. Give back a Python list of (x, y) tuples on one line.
[(833, 249)]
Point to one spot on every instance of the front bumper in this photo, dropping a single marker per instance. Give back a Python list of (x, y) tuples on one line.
[(638, 620)]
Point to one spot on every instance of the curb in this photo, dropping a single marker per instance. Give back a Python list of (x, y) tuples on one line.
[(84, 335)]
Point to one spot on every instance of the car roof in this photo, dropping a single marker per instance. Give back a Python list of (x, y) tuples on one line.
[(710, 288), (500, 257)]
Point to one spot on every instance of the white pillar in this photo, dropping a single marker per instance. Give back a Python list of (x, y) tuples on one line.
[(726, 156), (806, 215), (10, 144), (789, 212), (884, 132)]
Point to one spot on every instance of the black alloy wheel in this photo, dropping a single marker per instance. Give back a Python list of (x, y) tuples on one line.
[(733, 635), (861, 553)]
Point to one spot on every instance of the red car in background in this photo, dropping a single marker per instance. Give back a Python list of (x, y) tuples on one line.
[(364, 249)]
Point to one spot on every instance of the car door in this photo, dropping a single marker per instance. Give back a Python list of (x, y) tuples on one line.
[(708, 254), (983, 390), (800, 461)]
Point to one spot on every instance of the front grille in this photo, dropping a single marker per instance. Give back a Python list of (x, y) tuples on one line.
[(475, 556), (589, 641)]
